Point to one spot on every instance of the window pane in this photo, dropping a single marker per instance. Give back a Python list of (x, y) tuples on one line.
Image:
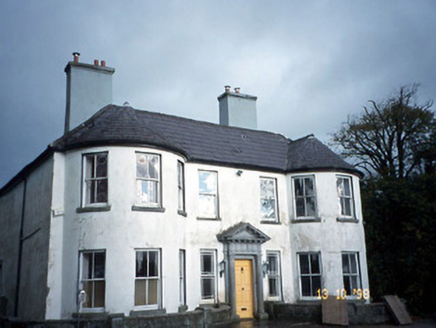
[(140, 292), (353, 264), (207, 288), (300, 207), (207, 264), (102, 191), (273, 290), (153, 264), (87, 287), (340, 186), (207, 182), (347, 285), (309, 187), (316, 284), (314, 263), (347, 189), (147, 191), (207, 205), (90, 194), (87, 266), (347, 207), (89, 170), (152, 291), (298, 184), (305, 286), (99, 293), (310, 206), (272, 265), (268, 208), (101, 166), (304, 264), (99, 259), (345, 263), (141, 264), (267, 188)]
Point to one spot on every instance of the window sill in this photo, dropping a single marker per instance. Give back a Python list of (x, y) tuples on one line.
[(208, 219), (182, 213), (349, 220), (306, 220), (148, 209), (91, 313), (270, 222), (86, 209)]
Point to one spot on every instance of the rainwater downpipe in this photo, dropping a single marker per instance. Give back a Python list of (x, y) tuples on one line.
[(20, 250)]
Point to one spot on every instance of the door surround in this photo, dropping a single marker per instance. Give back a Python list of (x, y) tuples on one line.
[(244, 241)]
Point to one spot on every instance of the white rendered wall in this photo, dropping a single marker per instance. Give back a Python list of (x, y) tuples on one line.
[(121, 230), (329, 237)]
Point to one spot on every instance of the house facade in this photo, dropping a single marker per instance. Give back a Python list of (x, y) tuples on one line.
[(134, 212)]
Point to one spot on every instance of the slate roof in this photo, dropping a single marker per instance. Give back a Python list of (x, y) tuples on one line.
[(202, 142)]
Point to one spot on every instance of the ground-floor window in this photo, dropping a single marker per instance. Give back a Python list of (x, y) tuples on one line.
[(182, 277), (92, 281), (208, 274), (310, 274), (274, 282), (148, 278), (350, 271)]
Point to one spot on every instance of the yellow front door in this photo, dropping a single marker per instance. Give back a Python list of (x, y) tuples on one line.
[(244, 288)]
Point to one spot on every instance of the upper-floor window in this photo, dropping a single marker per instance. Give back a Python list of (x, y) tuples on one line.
[(92, 280), (305, 197), (148, 180), (208, 275), (268, 199), (148, 278), (351, 272), (95, 179), (310, 274), (274, 281), (181, 186), (208, 194), (345, 195)]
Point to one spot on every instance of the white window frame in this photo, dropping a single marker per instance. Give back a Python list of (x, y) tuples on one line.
[(314, 196), (181, 187), (342, 198), (208, 275), (311, 275), (182, 277), (92, 280), (274, 275), (157, 182), (214, 194), (158, 305), (351, 274), (86, 181), (275, 218)]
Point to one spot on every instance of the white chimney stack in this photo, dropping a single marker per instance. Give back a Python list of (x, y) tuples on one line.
[(237, 109), (89, 88)]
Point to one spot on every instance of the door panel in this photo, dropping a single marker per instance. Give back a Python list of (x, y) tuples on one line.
[(244, 288)]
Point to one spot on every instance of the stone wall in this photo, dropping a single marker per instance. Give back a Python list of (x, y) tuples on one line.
[(200, 317), (358, 313)]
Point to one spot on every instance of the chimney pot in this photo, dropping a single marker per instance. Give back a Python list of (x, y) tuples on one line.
[(96, 62), (76, 56), (227, 88), (237, 89), (103, 63)]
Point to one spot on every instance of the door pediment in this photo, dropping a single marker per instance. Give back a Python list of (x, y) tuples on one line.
[(242, 232)]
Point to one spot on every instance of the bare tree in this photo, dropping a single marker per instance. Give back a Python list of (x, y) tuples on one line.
[(390, 138)]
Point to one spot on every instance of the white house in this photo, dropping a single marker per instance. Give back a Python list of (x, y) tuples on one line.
[(137, 212)]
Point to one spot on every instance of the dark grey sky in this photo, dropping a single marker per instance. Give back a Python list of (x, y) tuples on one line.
[(311, 63)]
